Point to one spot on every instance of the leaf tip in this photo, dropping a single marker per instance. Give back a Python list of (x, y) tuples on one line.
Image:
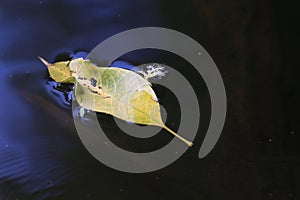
[(44, 61)]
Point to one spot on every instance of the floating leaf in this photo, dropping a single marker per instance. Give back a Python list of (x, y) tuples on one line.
[(119, 92), (60, 71)]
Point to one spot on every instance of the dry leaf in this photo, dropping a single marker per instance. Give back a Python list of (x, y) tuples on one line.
[(119, 92)]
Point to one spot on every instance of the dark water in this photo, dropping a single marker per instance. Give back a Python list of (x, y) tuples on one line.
[(255, 46)]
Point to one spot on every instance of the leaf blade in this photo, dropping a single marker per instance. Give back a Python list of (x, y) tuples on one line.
[(115, 91)]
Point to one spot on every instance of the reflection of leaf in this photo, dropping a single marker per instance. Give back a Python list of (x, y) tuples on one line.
[(119, 92)]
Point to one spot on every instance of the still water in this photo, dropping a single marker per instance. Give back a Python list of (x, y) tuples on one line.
[(42, 156)]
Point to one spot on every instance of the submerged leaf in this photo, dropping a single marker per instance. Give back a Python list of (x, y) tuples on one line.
[(119, 92)]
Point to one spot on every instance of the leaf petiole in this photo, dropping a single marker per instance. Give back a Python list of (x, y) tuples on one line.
[(178, 136)]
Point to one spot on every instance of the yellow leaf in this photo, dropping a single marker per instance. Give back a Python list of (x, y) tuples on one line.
[(60, 72), (119, 92)]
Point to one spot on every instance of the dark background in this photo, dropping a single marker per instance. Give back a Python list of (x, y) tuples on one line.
[(255, 46)]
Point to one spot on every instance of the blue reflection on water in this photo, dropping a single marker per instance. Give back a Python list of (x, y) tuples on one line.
[(39, 147)]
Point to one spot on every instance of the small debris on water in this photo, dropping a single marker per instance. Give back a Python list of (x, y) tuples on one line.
[(81, 112), (270, 194)]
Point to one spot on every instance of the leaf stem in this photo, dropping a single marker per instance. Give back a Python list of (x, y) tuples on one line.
[(178, 136)]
